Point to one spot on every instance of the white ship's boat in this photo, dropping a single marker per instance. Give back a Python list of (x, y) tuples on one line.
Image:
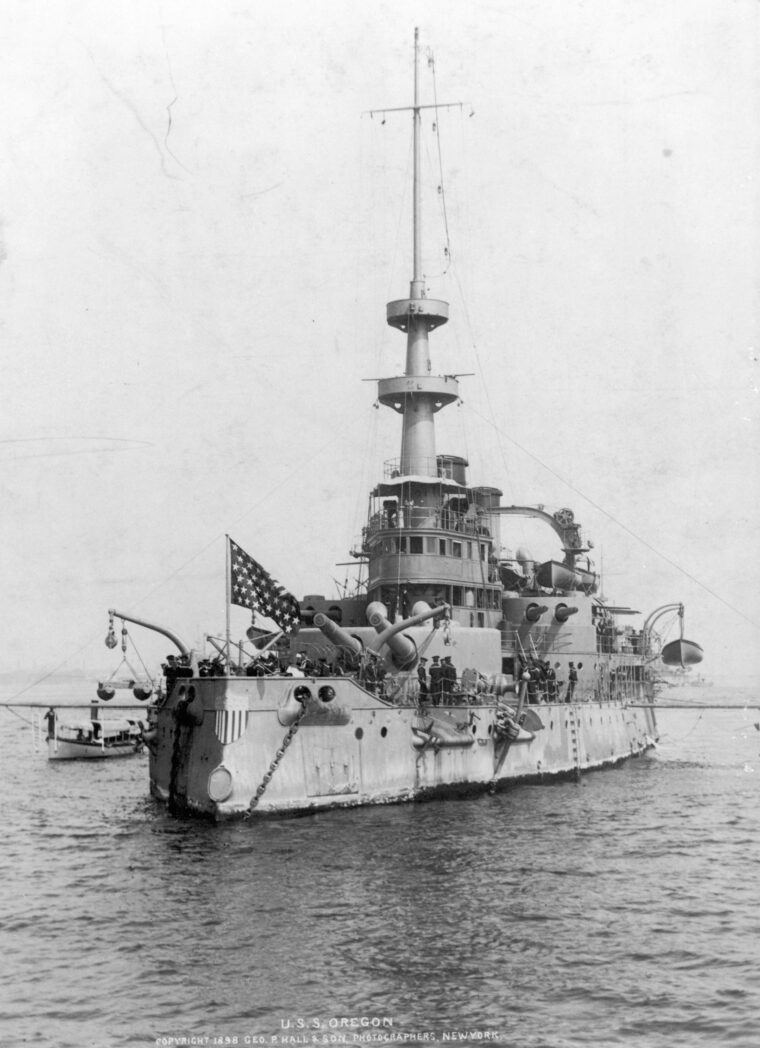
[(554, 575), (455, 669), (93, 737)]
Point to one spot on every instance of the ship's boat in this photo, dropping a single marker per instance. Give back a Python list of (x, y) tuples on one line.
[(454, 669), (681, 653), (554, 575), (94, 738)]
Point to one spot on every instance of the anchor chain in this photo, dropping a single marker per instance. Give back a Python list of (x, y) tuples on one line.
[(176, 756), (180, 721), (279, 754)]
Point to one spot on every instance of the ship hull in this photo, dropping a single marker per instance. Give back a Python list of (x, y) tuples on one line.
[(238, 747)]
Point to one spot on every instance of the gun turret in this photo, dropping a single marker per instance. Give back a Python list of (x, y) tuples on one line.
[(562, 612), (534, 612), (403, 649)]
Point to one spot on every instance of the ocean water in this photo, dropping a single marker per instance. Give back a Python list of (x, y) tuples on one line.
[(618, 911)]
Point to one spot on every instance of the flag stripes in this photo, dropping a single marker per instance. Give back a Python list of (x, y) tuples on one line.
[(253, 587)]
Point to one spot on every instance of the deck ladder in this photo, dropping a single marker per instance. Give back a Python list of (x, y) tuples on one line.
[(575, 740)]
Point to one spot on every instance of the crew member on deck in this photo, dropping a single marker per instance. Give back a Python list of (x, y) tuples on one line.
[(436, 680), (551, 683), (296, 670), (371, 671), (422, 677), (539, 669), (449, 678), (572, 680), (533, 682)]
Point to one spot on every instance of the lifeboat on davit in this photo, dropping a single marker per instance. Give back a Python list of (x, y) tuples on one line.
[(553, 575), (682, 653)]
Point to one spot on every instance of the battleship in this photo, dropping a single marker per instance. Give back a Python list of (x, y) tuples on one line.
[(458, 667)]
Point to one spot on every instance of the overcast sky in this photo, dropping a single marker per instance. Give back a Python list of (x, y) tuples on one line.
[(201, 225)]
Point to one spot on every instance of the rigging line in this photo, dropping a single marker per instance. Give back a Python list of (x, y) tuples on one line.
[(367, 162), (431, 63), (485, 385), (181, 567), (54, 670), (619, 523), (142, 662), (401, 215), (285, 480), (692, 729), (17, 714), (362, 504)]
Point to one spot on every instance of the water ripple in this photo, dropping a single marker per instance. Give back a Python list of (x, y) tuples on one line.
[(620, 911)]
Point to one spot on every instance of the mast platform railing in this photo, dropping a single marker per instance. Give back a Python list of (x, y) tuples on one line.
[(422, 518), (424, 467)]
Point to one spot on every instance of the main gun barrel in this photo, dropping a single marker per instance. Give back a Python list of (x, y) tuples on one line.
[(403, 649), (336, 634)]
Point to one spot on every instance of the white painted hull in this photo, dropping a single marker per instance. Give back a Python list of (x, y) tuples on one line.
[(237, 735), (64, 749)]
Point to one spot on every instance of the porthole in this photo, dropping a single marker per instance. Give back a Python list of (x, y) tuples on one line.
[(359, 733), (383, 732), (219, 784)]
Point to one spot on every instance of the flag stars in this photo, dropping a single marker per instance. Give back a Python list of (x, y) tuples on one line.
[(253, 587)]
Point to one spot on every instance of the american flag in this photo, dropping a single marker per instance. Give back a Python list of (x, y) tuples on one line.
[(253, 587)]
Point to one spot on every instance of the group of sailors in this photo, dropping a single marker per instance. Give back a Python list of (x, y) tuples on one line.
[(541, 678), (439, 683), (437, 678), (269, 663), (448, 517)]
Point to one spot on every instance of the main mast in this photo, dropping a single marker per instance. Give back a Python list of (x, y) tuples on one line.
[(417, 395), (431, 538)]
